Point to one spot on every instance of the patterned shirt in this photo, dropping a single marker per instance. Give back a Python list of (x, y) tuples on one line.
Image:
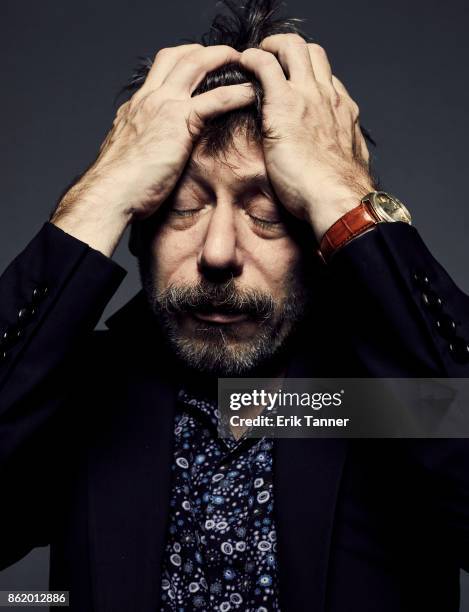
[(221, 551)]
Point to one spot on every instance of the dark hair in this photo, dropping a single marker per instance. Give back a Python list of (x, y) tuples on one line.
[(241, 27)]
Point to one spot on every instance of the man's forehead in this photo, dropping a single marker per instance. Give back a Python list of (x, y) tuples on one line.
[(242, 163)]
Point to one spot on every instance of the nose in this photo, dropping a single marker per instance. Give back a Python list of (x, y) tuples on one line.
[(220, 258)]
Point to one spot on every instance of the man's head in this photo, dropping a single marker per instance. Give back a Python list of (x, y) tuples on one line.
[(223, 265)]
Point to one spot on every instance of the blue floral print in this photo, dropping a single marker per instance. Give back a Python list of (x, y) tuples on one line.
[(221, 551)]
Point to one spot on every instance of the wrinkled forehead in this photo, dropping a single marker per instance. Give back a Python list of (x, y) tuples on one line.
[(239, 164)]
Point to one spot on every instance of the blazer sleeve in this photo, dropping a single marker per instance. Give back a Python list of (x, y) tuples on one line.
[(51, 297), (405, 317), (399, 309)]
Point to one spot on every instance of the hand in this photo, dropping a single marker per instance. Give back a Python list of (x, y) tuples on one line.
[(149, 144), (315, 152)]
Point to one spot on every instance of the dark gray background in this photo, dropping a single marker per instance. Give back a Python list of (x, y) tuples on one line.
[(62, 62)]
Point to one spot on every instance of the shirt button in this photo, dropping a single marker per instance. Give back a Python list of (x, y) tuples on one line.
[(446, 326), (432, 301), (421, 279), (7, 338), (459, 349), (25, 314), (39, 293), (10, 336)]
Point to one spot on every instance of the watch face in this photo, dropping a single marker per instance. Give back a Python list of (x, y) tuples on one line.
[(389, 208)]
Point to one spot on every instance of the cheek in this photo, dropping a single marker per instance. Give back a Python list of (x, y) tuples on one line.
[(174, 260), (278, 262)]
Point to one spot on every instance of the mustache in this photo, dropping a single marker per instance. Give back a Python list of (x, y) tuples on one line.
[(225, 298)]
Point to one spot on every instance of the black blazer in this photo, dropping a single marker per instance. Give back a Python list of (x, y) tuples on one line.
[(86, 435)]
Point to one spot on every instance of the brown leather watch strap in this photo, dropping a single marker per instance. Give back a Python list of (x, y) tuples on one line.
[(352, 224)]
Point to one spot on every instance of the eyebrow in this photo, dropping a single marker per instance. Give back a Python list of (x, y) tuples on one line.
[(255, 179)]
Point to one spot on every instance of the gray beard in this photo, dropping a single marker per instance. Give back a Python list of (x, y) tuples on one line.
[(218, 352), (213, 351)]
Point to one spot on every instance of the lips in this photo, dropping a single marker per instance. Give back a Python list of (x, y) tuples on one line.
[(219, 317)]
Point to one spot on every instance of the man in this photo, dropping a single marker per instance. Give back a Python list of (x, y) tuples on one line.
[(235, 162)]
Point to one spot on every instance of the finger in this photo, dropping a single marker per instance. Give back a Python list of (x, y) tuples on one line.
[(189, 71), (265, 67), (220, 100), (292, 52), (320, 63), (165, 61)]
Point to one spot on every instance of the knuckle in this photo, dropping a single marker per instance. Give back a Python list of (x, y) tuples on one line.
[(286, 36), (189, 61), (270, 38), (340, 86), (163, 53), (147, 102), (191, 47), (166, 52), (122, 108), (264, 58), (121, 111), (254, 55), (195, 122), (317, 49), (292, 38), (355, 109), (202, 52), (225, 48), (134, 101), (251, 52)]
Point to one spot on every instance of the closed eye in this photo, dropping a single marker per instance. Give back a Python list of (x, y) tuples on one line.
[(188, 212), (264, 223)]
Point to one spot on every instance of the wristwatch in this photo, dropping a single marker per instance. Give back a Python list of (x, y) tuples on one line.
[(375, 207)]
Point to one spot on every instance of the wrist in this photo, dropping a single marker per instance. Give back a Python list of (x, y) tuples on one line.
[(89, 218), (323, 214)]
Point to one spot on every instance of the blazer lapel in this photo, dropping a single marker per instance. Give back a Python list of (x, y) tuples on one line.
[(129, 503), (307, 476), (129, 487)]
